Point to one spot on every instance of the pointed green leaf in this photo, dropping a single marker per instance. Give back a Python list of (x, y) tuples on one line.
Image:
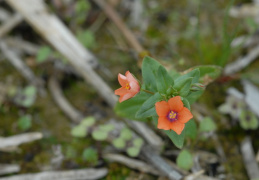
[(191, 129), (209, 73), (148, 107), (129, 108), (183, 86), (164, 81), (194, 96), (184, 160), (195, 74), (178, 140), (149, 69)]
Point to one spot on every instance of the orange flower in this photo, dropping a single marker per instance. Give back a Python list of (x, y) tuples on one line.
[(130, 86), (172, 114)]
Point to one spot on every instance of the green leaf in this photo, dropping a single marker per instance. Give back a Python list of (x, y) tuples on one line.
[(43, 54), (129, 108), (99, 135), (194, 96), (207, 125), (86, 38), (183, 86), (195, 74), (126, 134), (178, 140), (82, 6), (191, 129), (148, 107), (164, 81), (133, 151), (184, 160), (24, 122), (119, 143), (87, 122), (186, 103), (138, 142), (79, 131), (209, 73), (149, 69), (90, 155)]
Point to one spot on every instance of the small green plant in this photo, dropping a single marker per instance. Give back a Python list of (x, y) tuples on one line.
[(90, 155), (184, 160), (26, 96), (43, 54), (165, 97), (24, 122)]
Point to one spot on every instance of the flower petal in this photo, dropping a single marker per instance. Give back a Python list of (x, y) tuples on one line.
[(122, 80), (177, 127), (162, 108), (175, 104), (184, 115), (130, 77), (163, 123), (134, 86), (121, 91), (126, 96)]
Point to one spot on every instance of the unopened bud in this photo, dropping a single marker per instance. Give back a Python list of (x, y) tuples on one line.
[(197, 87)]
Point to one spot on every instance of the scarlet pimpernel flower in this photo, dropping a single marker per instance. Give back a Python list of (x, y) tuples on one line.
[(130, 86), (172, 114)]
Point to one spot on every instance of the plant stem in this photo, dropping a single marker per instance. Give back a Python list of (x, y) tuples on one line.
[(147, 91)]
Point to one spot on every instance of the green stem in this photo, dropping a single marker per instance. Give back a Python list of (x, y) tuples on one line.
[(147, 91)]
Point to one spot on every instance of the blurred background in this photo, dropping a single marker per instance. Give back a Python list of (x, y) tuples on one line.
[(59, 61)]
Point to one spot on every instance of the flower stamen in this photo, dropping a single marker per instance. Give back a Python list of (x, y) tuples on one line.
[(172, 116), (127, 86)]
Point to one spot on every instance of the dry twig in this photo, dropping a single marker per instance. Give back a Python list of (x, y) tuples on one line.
[(82, 174), (9, 168), (16, 140), (249, 159)]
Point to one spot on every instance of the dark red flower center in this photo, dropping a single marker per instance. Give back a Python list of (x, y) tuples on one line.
[(172, 116)]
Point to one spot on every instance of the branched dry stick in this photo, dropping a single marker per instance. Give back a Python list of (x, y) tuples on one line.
[(82, 174), (113, 15), (10, 23)]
